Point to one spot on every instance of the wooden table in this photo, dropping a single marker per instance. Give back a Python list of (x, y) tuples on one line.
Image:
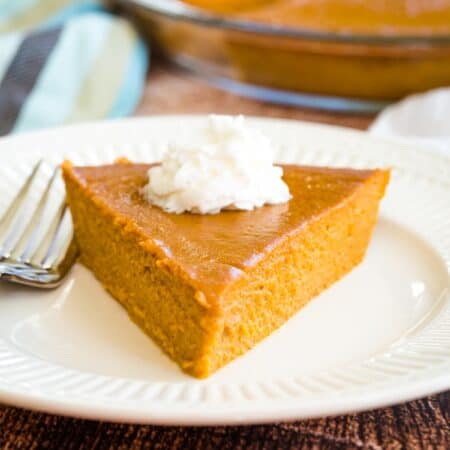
[(419, 424), (173, 92)]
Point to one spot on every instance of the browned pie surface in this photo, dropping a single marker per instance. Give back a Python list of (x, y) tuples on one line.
[(371, 16), (213, 249)]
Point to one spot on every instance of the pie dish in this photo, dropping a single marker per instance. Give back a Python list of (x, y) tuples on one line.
[(341, 55), (207, 288)]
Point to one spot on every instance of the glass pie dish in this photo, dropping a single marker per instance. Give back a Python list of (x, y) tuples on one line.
[(334, 70)]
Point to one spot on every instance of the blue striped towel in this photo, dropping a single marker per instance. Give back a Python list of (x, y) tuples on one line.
[(63, 61)]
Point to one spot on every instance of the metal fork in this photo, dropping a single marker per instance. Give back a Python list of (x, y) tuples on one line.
[(36, 247)]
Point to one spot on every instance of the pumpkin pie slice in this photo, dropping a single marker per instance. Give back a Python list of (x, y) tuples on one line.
[(207, 288)]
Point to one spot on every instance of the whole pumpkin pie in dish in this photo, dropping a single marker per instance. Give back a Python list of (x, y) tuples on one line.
[(370, 50), (207, 288)]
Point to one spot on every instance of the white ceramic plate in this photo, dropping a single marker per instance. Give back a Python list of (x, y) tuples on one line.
[(379, 336)]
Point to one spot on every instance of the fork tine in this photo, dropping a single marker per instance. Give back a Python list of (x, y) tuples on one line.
[(31, 233), (16, 216), (39, 252), (18, 199), (60, 240)]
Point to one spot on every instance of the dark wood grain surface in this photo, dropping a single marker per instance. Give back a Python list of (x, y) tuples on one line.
[(173, 92), (420, 424)]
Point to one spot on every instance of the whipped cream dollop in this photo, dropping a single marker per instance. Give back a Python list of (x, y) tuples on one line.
[(230, 167)]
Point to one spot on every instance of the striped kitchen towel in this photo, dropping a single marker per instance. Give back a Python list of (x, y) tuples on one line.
[(63, 61)]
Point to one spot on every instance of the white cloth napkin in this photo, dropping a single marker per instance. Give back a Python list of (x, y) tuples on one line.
[(421, 119)]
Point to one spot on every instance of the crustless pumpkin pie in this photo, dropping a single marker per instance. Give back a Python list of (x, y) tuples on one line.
[(338, 51), (207, 288)]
